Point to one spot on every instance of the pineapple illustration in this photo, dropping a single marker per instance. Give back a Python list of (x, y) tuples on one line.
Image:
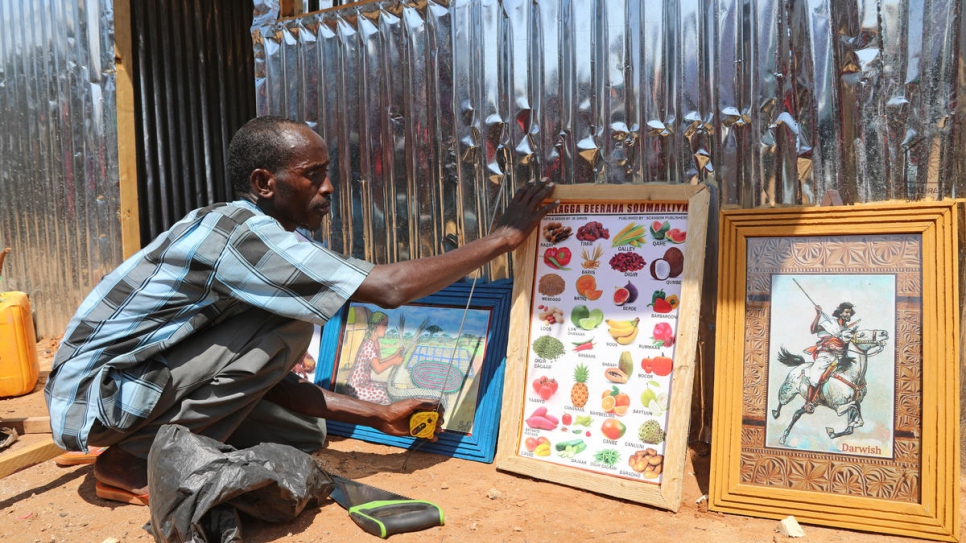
[(579, 393)]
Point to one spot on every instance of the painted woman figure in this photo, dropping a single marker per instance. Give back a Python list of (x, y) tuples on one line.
[(360, 383)]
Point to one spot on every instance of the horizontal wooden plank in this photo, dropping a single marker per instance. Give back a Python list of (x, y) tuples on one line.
[(27, 425), (30, 455)]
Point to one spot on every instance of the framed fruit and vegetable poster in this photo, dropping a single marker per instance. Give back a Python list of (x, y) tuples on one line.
[(599, 374), (837, 367)]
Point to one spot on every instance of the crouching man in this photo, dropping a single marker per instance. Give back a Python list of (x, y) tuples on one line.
[(202, 327)]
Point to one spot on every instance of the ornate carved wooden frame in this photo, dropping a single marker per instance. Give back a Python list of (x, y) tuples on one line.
[(913, 489)]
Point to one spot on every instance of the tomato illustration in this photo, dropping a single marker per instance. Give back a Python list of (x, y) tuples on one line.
[(659, 365), (545, 386)]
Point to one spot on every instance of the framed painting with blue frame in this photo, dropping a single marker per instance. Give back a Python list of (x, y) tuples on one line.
[(422, 348)]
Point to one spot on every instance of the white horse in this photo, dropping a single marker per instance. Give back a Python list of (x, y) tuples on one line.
[(844, 389)]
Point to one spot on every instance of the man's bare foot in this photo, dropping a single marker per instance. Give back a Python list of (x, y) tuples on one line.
[(118, 468)]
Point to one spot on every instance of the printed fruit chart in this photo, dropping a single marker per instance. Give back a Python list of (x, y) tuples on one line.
[(603, 323)]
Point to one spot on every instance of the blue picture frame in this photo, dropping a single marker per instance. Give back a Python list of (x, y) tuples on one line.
[(491, 301)]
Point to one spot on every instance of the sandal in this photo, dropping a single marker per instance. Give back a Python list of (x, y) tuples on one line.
[(116, 494), (76, 458)]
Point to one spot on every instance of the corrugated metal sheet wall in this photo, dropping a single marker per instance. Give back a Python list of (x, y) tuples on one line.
[(58, 156), (59, 194), (430, 108), (194, 89), (435, 111)]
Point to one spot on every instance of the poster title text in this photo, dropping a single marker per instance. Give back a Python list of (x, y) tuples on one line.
[(629, 207)]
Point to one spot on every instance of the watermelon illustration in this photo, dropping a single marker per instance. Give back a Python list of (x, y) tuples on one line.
[(676, 236), (659, 229)]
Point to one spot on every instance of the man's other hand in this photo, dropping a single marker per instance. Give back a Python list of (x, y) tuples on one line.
[(395, 419)]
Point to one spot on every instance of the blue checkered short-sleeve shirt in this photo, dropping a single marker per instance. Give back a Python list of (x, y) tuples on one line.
[(216, 262)]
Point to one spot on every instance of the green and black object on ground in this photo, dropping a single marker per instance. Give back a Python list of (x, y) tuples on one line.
[(383, 513)]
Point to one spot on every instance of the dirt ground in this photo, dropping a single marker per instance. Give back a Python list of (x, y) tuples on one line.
[(46, 503)]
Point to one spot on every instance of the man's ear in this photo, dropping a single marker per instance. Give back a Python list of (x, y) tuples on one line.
[(262, 183)]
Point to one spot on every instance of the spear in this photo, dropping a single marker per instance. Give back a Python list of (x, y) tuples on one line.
[(809, 297), (852, 325), (805, 293)]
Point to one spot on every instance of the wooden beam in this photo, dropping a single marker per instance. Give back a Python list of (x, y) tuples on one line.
[(290, 8), (27, 425), (30, 455), (126, 136)]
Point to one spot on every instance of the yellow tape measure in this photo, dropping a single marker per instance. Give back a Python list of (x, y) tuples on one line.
[(423, 424)]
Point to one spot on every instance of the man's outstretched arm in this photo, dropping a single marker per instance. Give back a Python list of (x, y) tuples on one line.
[(391, 285)]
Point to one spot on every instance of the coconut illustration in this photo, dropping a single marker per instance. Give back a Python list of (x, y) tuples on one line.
[(660, 269), (675, 259)]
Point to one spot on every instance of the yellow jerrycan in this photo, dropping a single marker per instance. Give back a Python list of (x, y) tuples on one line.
[(19, 367)]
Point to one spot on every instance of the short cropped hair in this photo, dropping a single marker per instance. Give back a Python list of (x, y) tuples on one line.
[(259, 143)]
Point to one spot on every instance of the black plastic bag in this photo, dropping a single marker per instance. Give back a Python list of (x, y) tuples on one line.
[(197, 486)]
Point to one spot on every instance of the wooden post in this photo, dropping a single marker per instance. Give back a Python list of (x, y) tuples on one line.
[(126, 137)]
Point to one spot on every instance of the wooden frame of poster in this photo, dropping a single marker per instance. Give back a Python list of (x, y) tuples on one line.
[(622, 301), (808, 300)]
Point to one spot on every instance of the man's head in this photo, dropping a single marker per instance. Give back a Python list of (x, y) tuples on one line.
[(844, 311), (282, 165)]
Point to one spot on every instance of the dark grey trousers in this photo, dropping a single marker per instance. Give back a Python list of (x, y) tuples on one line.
[(218, 379)]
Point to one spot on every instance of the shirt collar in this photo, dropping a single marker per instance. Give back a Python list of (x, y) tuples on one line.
[(301, 233)]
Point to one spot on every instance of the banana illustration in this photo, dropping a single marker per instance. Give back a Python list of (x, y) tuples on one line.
[(623, 329), (628, 339), (622, 332), (614, 323)]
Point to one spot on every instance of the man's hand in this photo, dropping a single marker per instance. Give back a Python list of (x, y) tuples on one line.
[(395, 418), (525, 212)]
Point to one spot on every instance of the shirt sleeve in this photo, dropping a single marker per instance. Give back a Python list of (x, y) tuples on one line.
[(279, 271)]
